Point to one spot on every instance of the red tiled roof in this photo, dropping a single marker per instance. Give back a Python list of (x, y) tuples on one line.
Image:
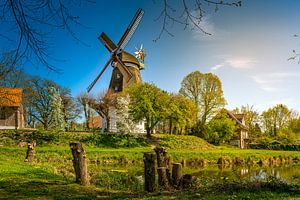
[(95, 122), (10, 97)]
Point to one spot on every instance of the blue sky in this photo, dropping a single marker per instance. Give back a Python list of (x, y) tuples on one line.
[(248, 50)]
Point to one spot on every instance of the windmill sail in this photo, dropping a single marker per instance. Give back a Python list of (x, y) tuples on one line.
[(114, 49), (108, 43), (131, 29)]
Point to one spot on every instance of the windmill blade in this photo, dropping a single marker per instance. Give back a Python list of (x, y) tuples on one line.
[(90, 87), (108, 43), (131, 29), (124, 67)]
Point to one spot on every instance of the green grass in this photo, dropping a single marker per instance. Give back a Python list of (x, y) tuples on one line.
[(113, 171)]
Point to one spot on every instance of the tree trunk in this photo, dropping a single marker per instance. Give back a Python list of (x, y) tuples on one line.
[(86, 116), (149, 167), (163, 163), (170, 126), (163, 178), (176, 174), (79, 163), (30, 151), (148, 130), (108, 123)]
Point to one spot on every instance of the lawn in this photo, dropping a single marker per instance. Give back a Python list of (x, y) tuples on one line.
[(116, 172)]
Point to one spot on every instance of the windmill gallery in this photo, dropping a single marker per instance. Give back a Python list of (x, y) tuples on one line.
[(126, 71)]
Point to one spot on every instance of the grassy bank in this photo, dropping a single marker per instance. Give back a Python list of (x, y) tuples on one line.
[(115, 167)]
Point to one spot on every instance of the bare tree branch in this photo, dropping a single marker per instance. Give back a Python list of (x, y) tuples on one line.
[(192, 15), (31, 24), (296, 55)]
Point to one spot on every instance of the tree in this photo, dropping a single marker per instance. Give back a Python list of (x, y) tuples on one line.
[(58, 117), (182, 113), (221, 128), (296, 55), (34, 22), (189, 14), (294, 125), (125, 122), (206, 91), (104, 105), (149, 103), (39, 101), (71, 109), (85, 99), (275, 119), (41, 106)]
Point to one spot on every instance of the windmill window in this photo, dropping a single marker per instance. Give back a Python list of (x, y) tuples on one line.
[(118, 76), (116, 88)]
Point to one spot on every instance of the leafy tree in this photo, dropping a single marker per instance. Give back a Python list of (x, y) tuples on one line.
[(39, 101), (149, 103), (182, 113), (276, 118), (294, 125), (206, 91), (125, 122), (58, 117), (221, 128)]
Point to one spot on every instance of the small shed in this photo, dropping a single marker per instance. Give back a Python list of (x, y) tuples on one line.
[(11, 108), (242, 131)]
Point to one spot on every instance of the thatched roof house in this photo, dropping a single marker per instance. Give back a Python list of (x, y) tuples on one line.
[(11, 108)]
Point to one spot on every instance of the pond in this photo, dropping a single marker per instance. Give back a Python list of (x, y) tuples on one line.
[(130, 177)]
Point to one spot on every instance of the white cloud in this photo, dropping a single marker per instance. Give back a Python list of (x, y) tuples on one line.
[(237, 63), (241, 63), (274, 81), (208, 26), (216, 67)]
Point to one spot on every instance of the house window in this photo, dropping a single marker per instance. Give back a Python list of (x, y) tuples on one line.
[(2, 113)]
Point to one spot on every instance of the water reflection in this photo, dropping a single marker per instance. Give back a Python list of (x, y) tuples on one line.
[(289, 173), (132, 175)]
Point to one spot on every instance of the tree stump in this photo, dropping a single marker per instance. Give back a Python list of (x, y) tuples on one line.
[(187, 181), (79, 163), (149, 171), (163, 171), (176, 174), (30, 151)]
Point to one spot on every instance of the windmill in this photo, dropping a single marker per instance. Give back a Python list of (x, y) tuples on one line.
[(126, 67)]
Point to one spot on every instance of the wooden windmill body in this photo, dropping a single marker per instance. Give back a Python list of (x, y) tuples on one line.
[(126, 67), (120, 79)]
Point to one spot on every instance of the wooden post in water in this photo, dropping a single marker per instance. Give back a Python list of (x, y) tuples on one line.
[(176, 174), (30, 151), (79, 163), (149, 171), (162, 165)]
